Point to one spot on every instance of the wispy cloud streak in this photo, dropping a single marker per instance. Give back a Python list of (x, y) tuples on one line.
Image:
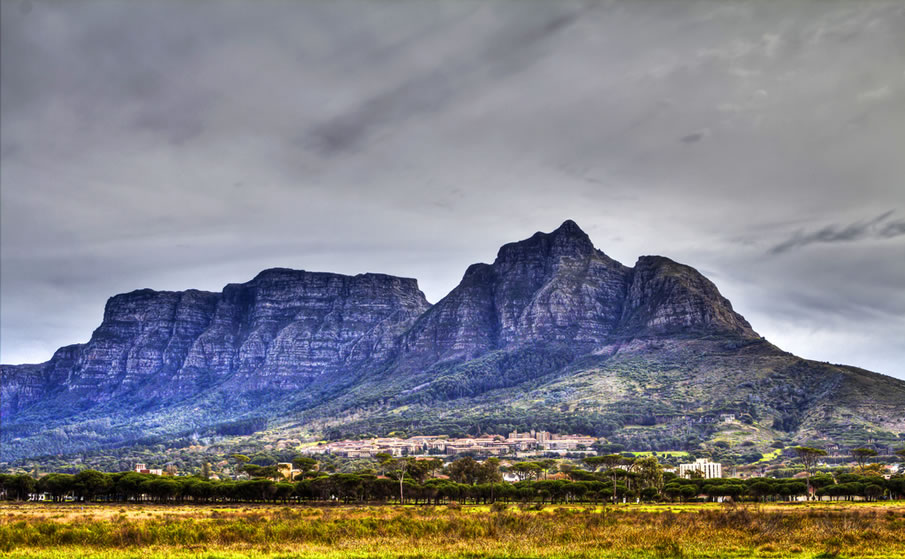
[(876, 228)]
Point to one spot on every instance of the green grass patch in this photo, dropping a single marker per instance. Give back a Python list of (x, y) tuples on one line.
[(676, 453), (773, 455)]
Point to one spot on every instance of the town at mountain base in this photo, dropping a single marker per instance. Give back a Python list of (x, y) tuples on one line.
[(553, 335)]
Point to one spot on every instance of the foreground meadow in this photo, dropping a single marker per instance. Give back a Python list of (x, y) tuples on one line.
[(656, 531)]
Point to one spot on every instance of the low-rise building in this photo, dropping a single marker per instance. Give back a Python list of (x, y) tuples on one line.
[(141, 469), (568, 442)]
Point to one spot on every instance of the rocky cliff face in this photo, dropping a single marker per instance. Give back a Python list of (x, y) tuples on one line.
[(551, 288), (286, 327), (557, 288), (25, 385), (143, 333), (321, 343), (281, 329), (666, 297)]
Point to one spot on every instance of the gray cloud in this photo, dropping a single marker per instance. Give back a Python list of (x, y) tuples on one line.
[(893, 229), (191, 144), (875, 228), (692, 138), (509, 51)]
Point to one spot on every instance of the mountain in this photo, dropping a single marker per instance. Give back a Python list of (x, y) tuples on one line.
[(552, 335)]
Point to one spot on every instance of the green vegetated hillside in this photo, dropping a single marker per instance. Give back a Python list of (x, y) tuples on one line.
[(553, 335), (656, 394)]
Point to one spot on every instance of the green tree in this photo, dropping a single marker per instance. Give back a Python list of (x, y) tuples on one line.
[(547, 465), (489, 472), (419, 469), (88, 484), (129, 485), (241, 460), (162, 488), (650, 472), (262, 472), (463, 470), (874, 491), (761, 489), (305, 464), (809, 456), (19, 486), (595, 462), (610, 462), (58, 485), (861, 455), (433, 464), (526, 470), (398, 467)]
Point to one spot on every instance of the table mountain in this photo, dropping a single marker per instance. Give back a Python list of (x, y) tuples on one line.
[(553, 335)]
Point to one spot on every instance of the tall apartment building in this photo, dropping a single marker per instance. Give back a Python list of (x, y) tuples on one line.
[(707, 468)]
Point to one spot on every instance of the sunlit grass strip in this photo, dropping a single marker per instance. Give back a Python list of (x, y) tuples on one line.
[(254, 532)]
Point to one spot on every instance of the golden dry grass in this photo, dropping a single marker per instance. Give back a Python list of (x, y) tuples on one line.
[(662, 531)]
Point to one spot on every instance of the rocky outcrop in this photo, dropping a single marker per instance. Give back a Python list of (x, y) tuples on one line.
[(286, 327), (144, 334), (24, 385), (551, 288), (666, 297), (557, 288), (20, 385)]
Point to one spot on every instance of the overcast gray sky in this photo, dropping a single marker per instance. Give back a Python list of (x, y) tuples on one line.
[(192, 144)]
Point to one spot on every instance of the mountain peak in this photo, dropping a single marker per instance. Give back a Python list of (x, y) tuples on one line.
[(568, 240), (568, 233), (570, 228)]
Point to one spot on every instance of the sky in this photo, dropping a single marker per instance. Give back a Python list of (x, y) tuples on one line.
[(192, 144)]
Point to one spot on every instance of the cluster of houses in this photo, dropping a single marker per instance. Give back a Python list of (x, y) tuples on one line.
[(516, 443)]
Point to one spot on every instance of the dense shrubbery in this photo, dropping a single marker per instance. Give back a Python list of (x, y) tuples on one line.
[(582, 487)]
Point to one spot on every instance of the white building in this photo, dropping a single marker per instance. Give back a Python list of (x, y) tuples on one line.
[(141, 469), (707, 468)]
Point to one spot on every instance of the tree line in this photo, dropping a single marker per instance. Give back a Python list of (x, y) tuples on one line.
[(409, 481)]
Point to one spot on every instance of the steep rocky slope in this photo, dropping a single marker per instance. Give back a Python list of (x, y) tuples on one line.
[(551, 288), (666, 297), (553, 334), (282, 331)]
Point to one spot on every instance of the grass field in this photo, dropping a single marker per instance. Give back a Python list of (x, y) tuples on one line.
[(675, 453), (773, 455), (655, 531)]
